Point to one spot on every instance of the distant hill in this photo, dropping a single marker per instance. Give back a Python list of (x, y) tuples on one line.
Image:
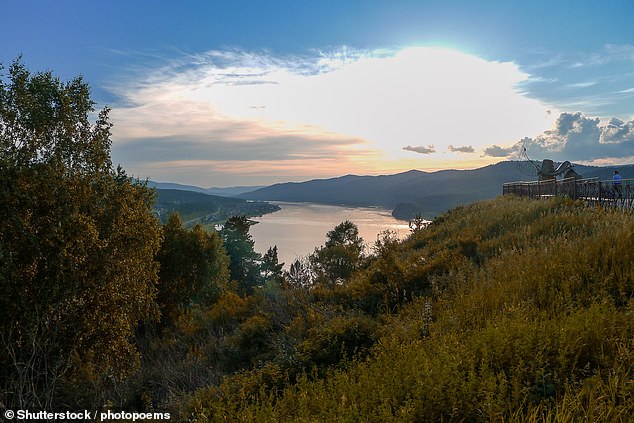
[(223, 192), (171, 185), (196, 207), (232, 191), (427, 193)]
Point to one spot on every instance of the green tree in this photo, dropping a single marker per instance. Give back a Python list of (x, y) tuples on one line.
[(271, 266), (193, 267), (77, 243), (244, 261), (341, 254)]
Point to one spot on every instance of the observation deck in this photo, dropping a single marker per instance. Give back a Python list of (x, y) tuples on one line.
[(593, 191)]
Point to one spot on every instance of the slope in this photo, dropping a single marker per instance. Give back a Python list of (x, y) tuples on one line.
[(507, 310)]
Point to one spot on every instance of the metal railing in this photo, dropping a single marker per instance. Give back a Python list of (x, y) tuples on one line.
[(592, 191)]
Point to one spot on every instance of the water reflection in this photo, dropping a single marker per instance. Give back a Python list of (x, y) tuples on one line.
[(300, 227)]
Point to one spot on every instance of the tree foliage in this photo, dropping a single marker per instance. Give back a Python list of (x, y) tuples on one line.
[(341, 254), (271, 266), (77, 242), (45, 121), (244, 261), (193, 267)]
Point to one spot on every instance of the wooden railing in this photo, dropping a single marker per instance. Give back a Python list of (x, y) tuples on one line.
[(593, 191)]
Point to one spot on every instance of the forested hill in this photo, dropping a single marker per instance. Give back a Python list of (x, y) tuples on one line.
[(222, 192), (428, 193), (203, 208)]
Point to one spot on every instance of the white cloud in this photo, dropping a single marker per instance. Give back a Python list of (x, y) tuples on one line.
[(383, 100), (577, 137), (617, 132), (584, 84), (620, 52)]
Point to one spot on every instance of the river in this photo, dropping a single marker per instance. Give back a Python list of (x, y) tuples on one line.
[(298, 228)]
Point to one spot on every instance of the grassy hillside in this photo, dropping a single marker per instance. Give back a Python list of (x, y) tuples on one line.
[(505, 310)]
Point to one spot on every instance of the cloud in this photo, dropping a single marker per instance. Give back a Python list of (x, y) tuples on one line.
[(617, 131), (584, 84), (593, 82), (620, 52), (464, 149), (273, 147), (497, 151), (421, 149), (255, 106), (576, 137)]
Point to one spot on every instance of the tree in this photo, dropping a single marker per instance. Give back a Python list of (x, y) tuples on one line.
[(271, 267), (77, 243), (194, 267), (299, 274), (244, 261), (341, 254)]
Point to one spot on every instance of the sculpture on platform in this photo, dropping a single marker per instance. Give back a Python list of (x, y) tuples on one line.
[(545, 171)]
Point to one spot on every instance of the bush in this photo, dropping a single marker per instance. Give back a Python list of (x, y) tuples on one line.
[(525, 316)]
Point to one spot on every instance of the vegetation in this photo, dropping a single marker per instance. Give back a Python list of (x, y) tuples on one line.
[(208, 210), (77, 245), (244, 263), (508, 310), (193, 267), (340, 256)]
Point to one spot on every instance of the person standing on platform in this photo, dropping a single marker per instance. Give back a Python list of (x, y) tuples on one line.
[(617, 181)]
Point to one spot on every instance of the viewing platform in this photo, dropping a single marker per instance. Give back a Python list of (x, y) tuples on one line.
[(592, 190)]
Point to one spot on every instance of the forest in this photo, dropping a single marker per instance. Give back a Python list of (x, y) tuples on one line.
[(506, 310), (208, 210)]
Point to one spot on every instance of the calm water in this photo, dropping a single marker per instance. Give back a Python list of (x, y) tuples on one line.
[(300, 227)]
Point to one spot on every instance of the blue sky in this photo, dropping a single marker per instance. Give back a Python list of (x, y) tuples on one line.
[(253, 92)]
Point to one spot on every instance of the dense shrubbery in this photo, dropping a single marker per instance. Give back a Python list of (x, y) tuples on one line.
[(509, 310), (77, 248)]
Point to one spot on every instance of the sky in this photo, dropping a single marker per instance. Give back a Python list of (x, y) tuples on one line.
[(228, 93)]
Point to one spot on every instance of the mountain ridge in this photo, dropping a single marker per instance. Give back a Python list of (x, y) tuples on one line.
[(406, 193), (218, 191), (425, 193)]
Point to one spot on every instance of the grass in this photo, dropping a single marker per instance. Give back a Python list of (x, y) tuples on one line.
[(508, 310)]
